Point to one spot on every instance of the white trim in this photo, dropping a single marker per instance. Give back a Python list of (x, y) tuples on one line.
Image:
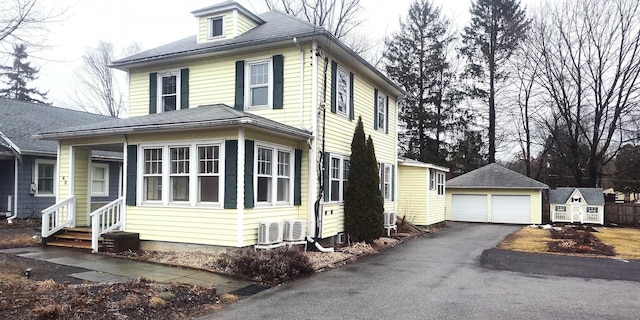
[(339, 70), (240, 190), (247, 83), (105, 166), (235, 23), (210, 35), (160, 75), (273, 202), (36, 181), (166, 174)]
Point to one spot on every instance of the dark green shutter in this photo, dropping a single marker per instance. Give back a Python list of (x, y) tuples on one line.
[(351, 100), (239, 103), (386, 122), (375, 109), (297, 178), (153, 92), (132, 174), (325, 173), (231, 174), (248, 173), (278, 81), (334, 85), (184, 88)]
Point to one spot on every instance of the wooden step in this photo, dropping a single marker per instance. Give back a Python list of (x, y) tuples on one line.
[(73, 236), (78, 229), (72, 244)]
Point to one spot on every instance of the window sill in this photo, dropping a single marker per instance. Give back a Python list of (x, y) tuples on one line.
[(44, 195)]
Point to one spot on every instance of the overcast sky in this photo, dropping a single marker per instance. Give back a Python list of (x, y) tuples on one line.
[(154, 23)]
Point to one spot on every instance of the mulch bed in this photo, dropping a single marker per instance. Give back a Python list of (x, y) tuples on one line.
[(579, 240)]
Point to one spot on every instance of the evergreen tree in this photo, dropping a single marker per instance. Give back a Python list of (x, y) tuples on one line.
[(363, 219), (417, 59), (468, 153), (496, 29), (18, 76)]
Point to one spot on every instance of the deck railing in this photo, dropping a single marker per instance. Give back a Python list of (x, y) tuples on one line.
[(106, 218), (58, 216)]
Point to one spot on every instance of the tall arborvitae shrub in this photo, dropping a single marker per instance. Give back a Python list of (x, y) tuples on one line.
[(362, 200)]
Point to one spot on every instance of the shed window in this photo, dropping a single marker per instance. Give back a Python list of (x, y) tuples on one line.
[(592, 209), (561, 208)]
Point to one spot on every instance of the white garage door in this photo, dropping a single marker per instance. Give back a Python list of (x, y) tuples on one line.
[(469, 207), (511, 209)]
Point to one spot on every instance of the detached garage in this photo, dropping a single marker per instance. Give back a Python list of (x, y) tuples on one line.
[(494, 194)]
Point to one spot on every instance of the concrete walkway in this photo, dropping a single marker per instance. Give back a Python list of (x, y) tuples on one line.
[(103, 268)]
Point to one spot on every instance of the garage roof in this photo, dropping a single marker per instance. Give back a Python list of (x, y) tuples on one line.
[(494, 176)]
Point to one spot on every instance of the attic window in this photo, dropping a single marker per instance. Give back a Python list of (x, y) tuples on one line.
[(215, 27)]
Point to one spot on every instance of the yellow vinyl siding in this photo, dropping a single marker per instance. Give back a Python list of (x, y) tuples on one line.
[(81, 184), (412, 194), (252, 218), (536, 199), (63, 172), (212, 81), (436, 206), (244, 24)]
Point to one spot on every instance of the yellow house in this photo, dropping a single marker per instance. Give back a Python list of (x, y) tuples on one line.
[(234, 131), (494, 194), (421, 192)]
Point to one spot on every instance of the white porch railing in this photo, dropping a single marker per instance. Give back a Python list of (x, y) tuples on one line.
[(58, 216), (560, 216), (106, 218), (563, 216)]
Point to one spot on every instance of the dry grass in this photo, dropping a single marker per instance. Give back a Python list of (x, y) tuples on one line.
[(626, 241), (527, 240)]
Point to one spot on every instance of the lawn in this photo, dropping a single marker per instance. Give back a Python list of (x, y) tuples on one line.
[(626, 241)]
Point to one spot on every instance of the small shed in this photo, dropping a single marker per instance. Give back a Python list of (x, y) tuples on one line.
[(494, 194), (577, 205), (421, 192)]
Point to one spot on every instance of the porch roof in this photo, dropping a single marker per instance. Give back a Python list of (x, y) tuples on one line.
[(207, 116)]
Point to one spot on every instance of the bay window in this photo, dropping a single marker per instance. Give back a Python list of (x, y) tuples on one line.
[(274, 176)]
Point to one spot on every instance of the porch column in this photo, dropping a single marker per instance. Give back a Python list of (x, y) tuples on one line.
[(81, 160)]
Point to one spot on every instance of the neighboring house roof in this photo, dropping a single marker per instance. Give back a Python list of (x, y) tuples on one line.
[(416, 163), (20, 120), (209, 116), (594, 196), (278, 27), (494, 176)]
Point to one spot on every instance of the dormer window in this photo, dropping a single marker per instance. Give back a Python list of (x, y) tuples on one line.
[(215, 27)]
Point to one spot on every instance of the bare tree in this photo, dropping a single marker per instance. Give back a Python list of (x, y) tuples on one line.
[(589, 68), (101, 86), (340, 17), (21, 22)]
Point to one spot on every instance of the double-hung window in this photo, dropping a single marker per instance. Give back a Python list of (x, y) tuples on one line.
[(385, 181), (179, 175), (168, 91), (208, 173), (342, 91), (274, 174), (440, 183), (215, 27), (339, 178), (45, 177), (259, 83), (381, 111), (152, 174), (188, 174), (100, 179)]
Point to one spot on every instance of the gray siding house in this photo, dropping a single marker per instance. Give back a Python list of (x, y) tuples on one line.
[(28, 166)]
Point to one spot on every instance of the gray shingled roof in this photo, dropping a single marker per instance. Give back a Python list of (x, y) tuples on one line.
[(277, 27), (593, 196), (209, 116), (494, 176), (19, 121)]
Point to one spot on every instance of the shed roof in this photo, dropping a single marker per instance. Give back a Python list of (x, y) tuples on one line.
[(494, 176), (594, 196), (208, 116), (416, 163), (19, 121)]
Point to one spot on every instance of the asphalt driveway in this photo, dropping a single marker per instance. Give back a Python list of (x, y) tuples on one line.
[(440, 278)]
